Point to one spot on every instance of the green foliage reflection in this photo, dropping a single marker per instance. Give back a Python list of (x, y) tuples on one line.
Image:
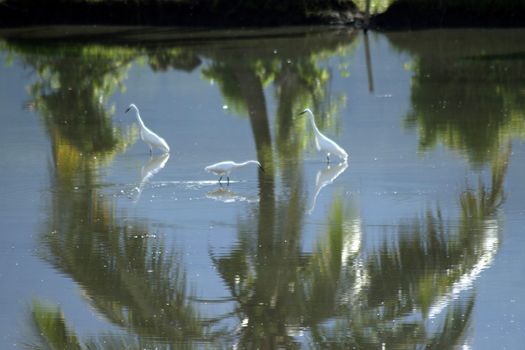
[(463, 98), (124, 271), (52, 329), (293, 67), (73, 85)]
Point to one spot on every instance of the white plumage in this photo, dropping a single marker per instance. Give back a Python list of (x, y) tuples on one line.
[(225, 168), (153, 140), (323, 143)]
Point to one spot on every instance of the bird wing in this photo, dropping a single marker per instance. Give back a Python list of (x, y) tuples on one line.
[(334, 148), (219, 168), (154, 139)]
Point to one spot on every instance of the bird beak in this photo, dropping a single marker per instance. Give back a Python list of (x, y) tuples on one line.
[(127, 109), (261, 168), (298, 115)]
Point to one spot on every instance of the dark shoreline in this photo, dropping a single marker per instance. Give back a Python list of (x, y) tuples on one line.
[(407, 15), (19, 13), (402, 14)]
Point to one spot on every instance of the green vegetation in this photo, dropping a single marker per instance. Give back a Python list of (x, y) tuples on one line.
[(376, 6)]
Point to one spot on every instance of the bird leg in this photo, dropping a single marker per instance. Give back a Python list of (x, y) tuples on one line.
[(327, 159), (228, 179), (220, 178)]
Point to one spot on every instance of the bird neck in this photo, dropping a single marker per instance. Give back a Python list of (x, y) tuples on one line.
[(312, 120), (139, 119), (246, 163)]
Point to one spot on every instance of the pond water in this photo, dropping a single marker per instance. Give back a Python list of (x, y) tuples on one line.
[(415, 241)]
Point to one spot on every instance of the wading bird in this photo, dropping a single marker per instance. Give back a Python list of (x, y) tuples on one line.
[(148, 136), (323, 143), (226, 167)]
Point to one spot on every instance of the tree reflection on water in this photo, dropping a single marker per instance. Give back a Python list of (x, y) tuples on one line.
[(339, 295), (125, 272), (464, 98)]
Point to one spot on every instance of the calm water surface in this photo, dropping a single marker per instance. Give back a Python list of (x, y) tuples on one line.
[(417, 241)]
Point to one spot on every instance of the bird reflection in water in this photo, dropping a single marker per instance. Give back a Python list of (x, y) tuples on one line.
[(152, 167), (325, 177)]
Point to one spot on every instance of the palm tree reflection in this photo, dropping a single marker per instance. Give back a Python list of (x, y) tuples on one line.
[(338, 295), (124, 270), (415, 291), (52, 331), (426, 270)]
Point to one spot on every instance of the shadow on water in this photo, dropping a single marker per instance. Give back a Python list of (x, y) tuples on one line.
[(402, 292)]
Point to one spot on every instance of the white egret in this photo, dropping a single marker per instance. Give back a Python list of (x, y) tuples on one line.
[(323, 143), (148, 136), (226, 167)]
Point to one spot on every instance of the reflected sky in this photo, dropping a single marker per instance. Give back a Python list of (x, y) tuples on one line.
[(411, 243)]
